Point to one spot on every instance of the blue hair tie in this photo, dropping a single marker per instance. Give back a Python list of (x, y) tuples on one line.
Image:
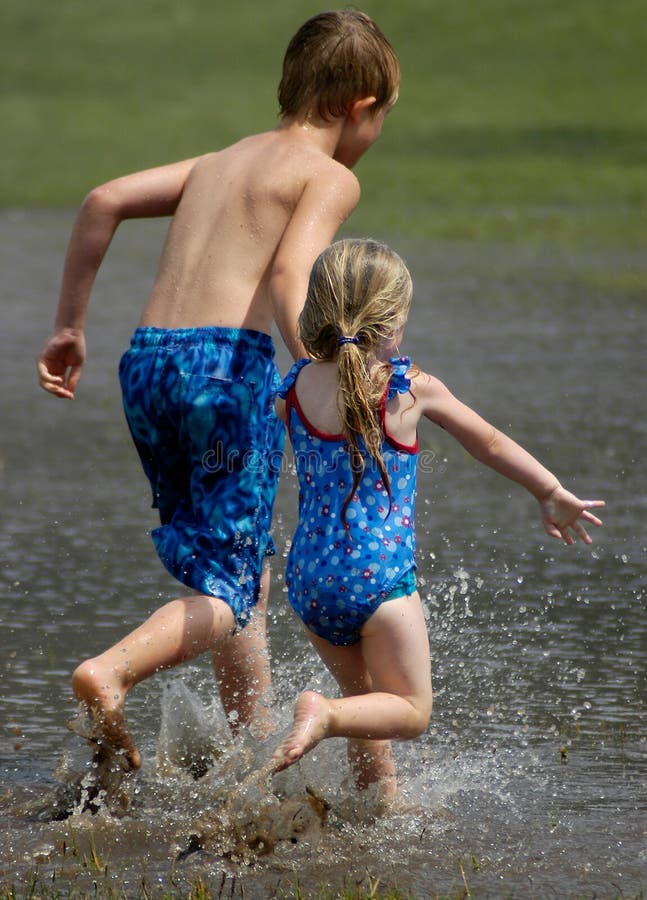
[(345, 339)]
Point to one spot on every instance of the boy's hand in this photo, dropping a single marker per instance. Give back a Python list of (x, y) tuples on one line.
[(60, 363), (561, 511)]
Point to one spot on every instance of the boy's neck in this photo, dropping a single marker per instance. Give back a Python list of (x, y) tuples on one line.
[(313, 130)]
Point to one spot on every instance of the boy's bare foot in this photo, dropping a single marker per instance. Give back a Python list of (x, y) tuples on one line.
[(104, 700), (310, 725)]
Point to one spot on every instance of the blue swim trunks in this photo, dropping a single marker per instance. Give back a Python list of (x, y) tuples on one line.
[(200, 407)]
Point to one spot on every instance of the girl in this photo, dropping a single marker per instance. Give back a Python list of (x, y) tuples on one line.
[(352, 412)]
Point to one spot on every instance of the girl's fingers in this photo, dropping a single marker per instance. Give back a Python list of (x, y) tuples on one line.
[(581, 533), (554, 531)]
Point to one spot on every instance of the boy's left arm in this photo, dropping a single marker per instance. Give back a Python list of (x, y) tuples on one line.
[(325, 204)]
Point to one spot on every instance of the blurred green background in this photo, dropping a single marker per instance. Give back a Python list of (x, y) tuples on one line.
[(518, 120)]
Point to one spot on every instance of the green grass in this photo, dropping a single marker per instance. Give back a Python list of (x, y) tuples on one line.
[(102, 889), (517, 121)]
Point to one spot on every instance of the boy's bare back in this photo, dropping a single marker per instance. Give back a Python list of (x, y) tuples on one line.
[(246, 213)]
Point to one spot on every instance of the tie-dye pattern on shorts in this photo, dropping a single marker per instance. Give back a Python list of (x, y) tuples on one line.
[(200, 406)]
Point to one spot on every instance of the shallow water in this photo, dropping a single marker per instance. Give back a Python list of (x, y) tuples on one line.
[(532, 778)]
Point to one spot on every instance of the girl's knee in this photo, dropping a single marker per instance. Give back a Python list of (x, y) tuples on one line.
[(420, 718), (416, 726)]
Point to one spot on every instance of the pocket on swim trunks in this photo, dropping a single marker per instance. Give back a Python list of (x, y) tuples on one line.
[(220, 421)]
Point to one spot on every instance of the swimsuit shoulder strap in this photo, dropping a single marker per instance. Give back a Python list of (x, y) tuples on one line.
[(399, 383), (288, 382)]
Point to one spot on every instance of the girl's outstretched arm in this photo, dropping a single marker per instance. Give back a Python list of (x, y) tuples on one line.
[(562, 513)]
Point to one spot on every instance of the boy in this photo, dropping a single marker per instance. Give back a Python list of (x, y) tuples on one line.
[(198, 380)]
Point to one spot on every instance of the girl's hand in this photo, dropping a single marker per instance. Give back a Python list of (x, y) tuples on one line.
[(561, 511)]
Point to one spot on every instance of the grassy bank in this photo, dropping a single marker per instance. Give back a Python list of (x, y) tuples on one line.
[(517, 121)]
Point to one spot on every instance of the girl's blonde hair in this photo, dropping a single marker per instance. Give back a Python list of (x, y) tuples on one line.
[(359, 290)]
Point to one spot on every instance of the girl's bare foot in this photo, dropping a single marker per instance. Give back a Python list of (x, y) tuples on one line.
[(310, 725), (104, 699)]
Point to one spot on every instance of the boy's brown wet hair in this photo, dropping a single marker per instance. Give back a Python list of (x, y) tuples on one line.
[(334, 59)]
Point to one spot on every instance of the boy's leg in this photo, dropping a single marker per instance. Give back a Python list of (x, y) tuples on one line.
[(386, 683), (242, 667), (178, 631)]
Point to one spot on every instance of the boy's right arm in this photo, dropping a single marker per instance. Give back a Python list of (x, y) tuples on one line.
[(325, 204), (153, 192)]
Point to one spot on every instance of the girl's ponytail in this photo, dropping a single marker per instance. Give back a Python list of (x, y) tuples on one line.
[(358, 299)]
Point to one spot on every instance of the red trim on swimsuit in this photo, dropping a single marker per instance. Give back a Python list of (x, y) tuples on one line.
[(291, 400), (403, 448)]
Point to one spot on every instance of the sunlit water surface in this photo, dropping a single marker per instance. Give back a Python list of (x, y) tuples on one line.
[(531, 780)]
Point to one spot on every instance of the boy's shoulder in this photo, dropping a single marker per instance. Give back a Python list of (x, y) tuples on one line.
[(305, 166), (278, 172), (326, 168), (270, 151)]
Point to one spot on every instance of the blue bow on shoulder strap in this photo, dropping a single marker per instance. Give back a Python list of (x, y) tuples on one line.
[(399, 383)]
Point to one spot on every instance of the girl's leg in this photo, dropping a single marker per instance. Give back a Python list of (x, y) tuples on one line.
[(178, 631), (242, 667), (386, 683), (371, 760)]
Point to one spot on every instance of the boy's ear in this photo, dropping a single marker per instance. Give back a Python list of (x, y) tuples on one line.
[(357, 109)]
